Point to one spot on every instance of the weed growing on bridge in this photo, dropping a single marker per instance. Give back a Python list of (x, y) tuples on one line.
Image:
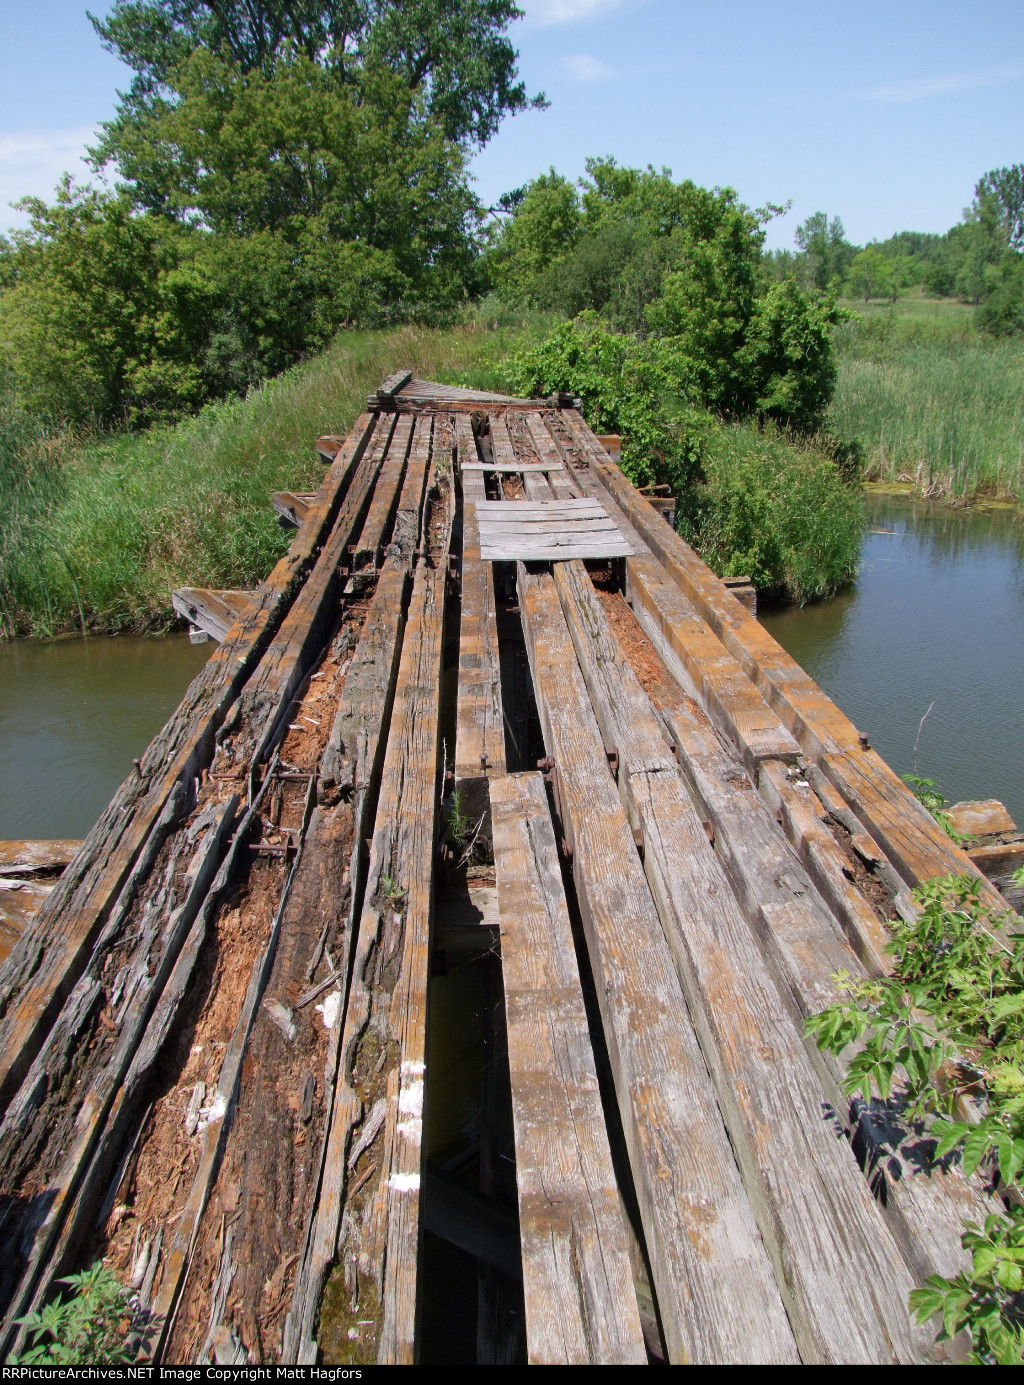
[(945, 1026), (928, 793), (96, 1324)]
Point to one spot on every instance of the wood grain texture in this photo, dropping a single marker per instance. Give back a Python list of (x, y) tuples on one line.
[(822, 730), (369, 1211), (479, 722), (580, 1304), (50, 955), (836, 1264), (733, 703), (408, 433), (702, 1238), (213, 612), (911, 838)]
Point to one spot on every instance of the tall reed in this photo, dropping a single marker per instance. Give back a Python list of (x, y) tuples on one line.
[(935, 403)]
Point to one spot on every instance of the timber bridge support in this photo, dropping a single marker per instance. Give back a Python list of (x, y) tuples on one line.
[(488, 716)]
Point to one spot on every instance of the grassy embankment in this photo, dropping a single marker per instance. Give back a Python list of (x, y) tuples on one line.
[(934, 401), (97, 532)]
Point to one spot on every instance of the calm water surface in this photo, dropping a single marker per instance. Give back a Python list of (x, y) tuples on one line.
[(937, 616), (73, 715)]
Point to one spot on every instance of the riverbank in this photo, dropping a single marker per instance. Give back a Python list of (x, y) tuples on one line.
[(934, 403), (95, 533)]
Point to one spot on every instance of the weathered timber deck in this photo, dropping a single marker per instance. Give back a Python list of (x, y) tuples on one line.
[(489, 708)]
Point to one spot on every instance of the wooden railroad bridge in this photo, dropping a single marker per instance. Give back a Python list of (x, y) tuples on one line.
[(489, 717)]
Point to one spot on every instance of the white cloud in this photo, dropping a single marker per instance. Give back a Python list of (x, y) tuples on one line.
[(584, 68), (915, 89), (546, 12), (32, 161)]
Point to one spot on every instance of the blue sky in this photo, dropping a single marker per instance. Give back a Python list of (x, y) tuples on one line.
[(882, 113)]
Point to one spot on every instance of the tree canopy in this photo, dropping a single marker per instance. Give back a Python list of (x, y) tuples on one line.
[(455, 54)]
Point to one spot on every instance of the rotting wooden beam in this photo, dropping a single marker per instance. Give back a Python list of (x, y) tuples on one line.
[(263, 703), (913, 841), (350, 772), (372, 1164), (479, 721), (386, 491), (290, 507), (212, 612), (580, 1304), (703, 1242), (835, 1262), (48, 958), (824, 732), (75, 1186)]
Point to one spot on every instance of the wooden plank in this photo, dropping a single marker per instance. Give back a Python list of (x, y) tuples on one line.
[(26, 858), (835, 1263), (263, 704), (703, 1242), (385, 392), (213, 612), (76, 1184), (551, 509), (578, 1286), (290, 506), (350, 771), (479, 721), (550, 550), (911, 838), (530, 526), (368, 545), (561, 481), (376, 1180), (516, 467), (50, 955), (802, 817), (20, 902), (733, 703)]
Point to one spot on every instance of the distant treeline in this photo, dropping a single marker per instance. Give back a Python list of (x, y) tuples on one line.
[(980, 260)]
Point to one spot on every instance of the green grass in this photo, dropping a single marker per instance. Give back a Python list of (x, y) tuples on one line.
[(932, 400), (775, 509), (98, 532)]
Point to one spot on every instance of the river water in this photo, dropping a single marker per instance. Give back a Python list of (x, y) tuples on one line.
[(73, 715), (936, 620)]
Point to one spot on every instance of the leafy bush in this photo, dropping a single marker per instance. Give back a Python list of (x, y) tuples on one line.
[(96, 1324), (776, 509), (636, 388), (949, 1020), (750, 500)]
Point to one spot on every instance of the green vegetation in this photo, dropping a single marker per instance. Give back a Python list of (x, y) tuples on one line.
[(289, 197), (932, 399), (930, 796), (98, 532), (283, 171), (95, 1325), (750, 498), (948, 1023)]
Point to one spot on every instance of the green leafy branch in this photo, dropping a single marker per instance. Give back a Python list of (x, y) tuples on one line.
[(96, 1324), (948, 1023)]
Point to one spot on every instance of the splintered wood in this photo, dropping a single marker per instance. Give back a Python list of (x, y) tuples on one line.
[(214, 1015)]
